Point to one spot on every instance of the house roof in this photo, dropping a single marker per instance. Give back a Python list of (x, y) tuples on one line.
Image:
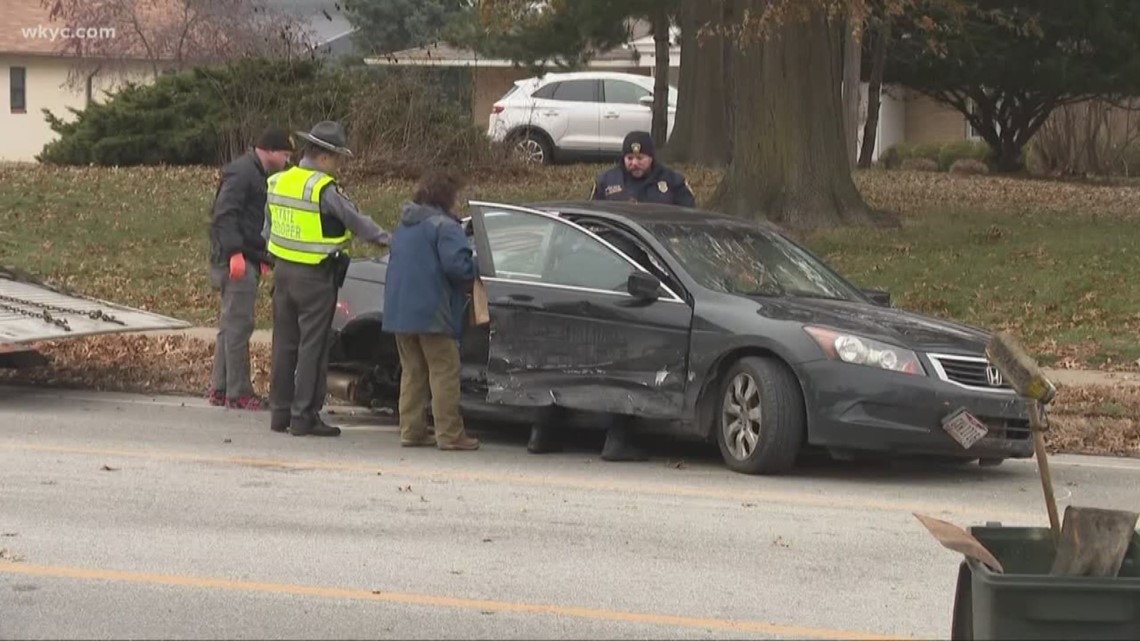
[(326, 21), (22, 19), (639, 53), (327, 25)]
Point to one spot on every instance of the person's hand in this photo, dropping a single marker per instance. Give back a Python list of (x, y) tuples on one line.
[(237, 266), (264, 269)]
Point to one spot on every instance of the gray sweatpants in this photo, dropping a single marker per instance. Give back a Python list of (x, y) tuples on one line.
[(235, 327), (304, 302)]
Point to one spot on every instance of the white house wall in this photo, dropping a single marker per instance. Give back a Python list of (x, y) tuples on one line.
[(23, 135)]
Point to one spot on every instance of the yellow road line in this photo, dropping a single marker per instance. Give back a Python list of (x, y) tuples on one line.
[(564, 481), (792, 631)]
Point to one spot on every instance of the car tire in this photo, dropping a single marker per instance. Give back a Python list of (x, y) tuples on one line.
[(534, 147), (764, 392)]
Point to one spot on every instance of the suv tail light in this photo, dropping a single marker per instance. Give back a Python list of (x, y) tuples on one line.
[(497, 109)]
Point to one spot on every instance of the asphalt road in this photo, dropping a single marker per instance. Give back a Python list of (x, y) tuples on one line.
[(133, 517)]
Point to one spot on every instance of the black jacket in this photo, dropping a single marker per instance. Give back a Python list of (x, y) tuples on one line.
[(661, 185), (239, 212)]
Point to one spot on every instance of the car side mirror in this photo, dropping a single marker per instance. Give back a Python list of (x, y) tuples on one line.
[(644, 287), (646, 101), (880, 297)]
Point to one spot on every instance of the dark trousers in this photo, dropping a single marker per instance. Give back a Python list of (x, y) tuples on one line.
[(304, 301), (235, 327)]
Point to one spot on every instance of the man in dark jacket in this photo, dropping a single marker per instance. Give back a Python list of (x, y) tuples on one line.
[(238, 259), (640, 178), (430, 270)]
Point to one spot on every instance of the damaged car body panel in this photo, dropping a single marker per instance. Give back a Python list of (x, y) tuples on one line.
[(696, 323), (565, 328)]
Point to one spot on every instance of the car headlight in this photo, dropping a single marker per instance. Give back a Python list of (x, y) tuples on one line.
[(860, 350)]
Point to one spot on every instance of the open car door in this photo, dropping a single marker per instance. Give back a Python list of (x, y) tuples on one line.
[(31, 311), (565, 329)]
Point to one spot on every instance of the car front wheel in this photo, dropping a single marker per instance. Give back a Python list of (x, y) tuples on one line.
[(760, 422)]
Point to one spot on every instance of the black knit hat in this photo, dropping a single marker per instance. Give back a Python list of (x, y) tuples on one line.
[(637, 142), (275, 139)]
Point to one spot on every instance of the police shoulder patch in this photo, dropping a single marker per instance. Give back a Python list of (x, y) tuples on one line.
[(663, 186)]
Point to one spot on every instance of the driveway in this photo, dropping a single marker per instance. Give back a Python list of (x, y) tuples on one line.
[(162, 517)]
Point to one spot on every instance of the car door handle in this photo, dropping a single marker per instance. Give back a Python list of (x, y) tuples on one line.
[(550, 113), (613, 115), (520, 301)]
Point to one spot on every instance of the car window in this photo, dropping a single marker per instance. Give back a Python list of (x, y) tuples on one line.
[(623, 92), (576, 91), (748, 261), (547, 91), (517, 242), (534, 248)]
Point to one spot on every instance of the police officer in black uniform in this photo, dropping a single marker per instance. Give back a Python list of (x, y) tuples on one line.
[(640, 178)]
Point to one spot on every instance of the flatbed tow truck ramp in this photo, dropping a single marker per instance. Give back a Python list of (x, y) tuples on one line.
[(32, 311)]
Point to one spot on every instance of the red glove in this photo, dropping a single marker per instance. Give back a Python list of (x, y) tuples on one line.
[(264, 269), (237, 266)]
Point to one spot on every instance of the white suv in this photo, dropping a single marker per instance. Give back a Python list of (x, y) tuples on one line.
[(582, 114)]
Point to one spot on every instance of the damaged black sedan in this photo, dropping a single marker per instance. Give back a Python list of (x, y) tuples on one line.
[(695, 324)]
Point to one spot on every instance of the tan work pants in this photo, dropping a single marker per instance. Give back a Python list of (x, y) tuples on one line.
[(429, 362)]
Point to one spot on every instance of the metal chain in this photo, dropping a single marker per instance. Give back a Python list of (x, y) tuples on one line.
[(44, 315), (96, 314)]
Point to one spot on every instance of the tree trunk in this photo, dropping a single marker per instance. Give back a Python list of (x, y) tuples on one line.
[(874, 96), (790, 161), (703, 126), (852, 62), (660, 19)]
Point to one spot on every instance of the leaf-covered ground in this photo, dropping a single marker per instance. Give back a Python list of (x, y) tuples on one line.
[(1089, 420), (1055, 261)]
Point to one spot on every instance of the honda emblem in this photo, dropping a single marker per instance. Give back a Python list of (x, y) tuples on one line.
[(993, 375)]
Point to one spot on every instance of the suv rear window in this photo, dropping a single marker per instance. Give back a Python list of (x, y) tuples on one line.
[(546, 92), (569, 91)]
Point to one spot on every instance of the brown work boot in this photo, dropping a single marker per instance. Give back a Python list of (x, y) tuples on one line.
[(462, 444), (425, 440)]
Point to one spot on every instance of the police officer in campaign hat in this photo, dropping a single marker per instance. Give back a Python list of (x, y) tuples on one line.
[(640, 178), (309, 224)]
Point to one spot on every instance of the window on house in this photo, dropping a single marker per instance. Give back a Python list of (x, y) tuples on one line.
[(17, 81)]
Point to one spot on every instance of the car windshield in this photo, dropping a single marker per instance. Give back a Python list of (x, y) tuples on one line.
[(748, 261)]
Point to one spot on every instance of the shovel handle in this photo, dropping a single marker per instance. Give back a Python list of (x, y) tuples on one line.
[(1037, 425)]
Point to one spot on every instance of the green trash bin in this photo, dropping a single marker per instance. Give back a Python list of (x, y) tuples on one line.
[(1026, 602)]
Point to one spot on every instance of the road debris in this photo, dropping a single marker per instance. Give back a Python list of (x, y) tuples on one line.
[(108, 468), (10, 556)]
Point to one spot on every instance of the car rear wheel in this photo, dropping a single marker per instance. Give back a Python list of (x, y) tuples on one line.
[(760, 422), (533, 148)]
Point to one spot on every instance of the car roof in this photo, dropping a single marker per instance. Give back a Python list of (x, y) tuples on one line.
[(649, 213), (588, 75)]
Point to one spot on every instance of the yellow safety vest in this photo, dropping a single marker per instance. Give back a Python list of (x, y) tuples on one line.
[(294, 199)]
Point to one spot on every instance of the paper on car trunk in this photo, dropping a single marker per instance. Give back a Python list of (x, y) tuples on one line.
[(28, 309)]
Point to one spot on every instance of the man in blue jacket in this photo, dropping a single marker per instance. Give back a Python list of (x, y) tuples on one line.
[(430, 270)]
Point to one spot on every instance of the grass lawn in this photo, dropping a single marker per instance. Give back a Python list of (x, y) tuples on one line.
[(1057, 262)]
